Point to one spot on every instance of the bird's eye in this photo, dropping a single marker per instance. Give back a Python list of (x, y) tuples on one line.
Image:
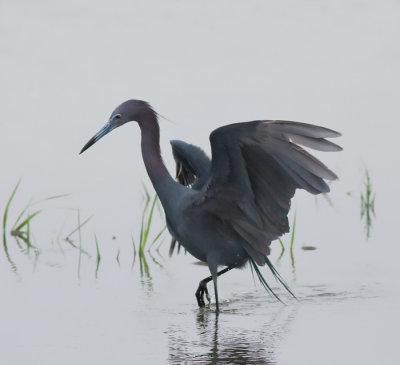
[(117, 116)]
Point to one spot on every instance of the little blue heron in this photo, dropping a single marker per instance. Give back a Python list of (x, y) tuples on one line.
[(226, 211)]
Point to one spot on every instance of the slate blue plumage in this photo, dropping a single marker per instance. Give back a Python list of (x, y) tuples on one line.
[(226, 211)]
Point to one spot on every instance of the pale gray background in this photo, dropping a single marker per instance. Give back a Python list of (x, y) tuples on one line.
[(65, 65)]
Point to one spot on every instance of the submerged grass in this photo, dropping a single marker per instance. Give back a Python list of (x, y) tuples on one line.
[(325, 195), (117, 258), (98, 256), (78, 229), (134, 251), (80, 244), (367, 199)]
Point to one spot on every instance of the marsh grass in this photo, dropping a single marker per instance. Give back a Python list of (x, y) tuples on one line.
[(5, 217), (282, 248), (21, 229), (68, 237), (134, 251), (80, 245), (148, 246), (147, 219), (98, 256), (325, 196), (291, 242), (117, 257), (308, 248), (367, 199)]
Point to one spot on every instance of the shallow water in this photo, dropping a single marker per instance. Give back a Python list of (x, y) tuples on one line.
[(201, 65)]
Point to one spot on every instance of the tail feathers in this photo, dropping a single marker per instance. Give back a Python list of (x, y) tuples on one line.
[(263, 281), (276, 276), (172, 247)]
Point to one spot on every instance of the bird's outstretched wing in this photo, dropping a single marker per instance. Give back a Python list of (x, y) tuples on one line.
[(256, 168), (193, 166)]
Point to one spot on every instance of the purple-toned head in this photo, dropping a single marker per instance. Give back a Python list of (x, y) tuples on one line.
[(129, 111)]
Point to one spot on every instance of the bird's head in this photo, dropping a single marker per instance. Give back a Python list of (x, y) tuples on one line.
[(128, 111)]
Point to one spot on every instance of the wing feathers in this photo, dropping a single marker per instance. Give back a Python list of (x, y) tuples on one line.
[(305, 180), (192, 164), (301, 129), (300, 157), (319, 144), (256, 168)]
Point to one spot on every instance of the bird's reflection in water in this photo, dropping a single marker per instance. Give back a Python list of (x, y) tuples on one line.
[(233, 337)]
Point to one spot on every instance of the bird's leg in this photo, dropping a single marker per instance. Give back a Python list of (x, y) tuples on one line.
[(215, 277), (202, 289)]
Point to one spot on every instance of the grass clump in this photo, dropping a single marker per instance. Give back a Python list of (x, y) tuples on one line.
[(147, 219), (21, 229)]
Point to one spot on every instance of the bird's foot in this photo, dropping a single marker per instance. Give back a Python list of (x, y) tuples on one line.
[(201, 290)]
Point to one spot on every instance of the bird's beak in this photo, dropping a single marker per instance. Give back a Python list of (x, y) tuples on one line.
[(108, 127)]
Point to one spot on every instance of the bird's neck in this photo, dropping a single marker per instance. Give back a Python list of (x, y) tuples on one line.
[(151, 148), (162, 181)]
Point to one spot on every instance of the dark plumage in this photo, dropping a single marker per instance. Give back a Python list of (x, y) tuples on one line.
[(227, 210)]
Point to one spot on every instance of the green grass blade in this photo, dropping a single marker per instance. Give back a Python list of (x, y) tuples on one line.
[(155, 260), (27, 242), (11, 262), (158, 247), (134, 251), (21, 214), (141, 263), (160, 209), (80, 245), (146, 193), (292, 240), (75, 246), (27, 220), (293, 231), (28, 231), (158, 236), (98, 257), (327, 198), (142, 225), (18, 243), (30, 204), (117, 258), (149, 220), (5, 215), (282, 248), (146, 267), (79, 227), (51, 198)]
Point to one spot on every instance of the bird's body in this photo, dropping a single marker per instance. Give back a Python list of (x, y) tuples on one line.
[(226, 211)]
